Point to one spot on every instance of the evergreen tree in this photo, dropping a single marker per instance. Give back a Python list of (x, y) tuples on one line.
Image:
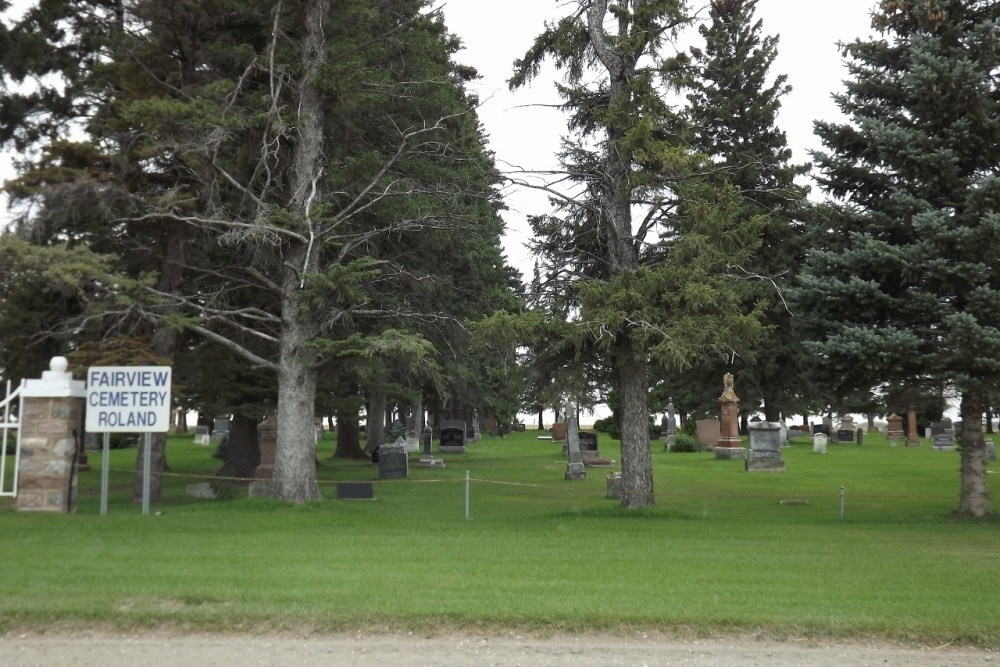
[(903, 281), (733, 107), (651, 288)]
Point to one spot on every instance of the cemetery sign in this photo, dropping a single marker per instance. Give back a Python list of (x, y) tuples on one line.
[(128, 399)]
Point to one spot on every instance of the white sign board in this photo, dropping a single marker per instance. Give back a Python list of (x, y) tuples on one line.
[(128, 399)]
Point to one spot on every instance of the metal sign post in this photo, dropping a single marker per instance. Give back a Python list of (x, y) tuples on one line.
[(128, 399)]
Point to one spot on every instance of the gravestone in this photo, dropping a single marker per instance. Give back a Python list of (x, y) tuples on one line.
[(267, 441), (670, 427), (782, 434), (426, 460), (795, 432), (729, 446), (476, 434), (355, 491), (520, 427), (559, 431), (821, 428), (575, 470), (220, 428), (201, 436), (765, 448), (708, 432), (452, 439), (845, 430), (393, 461), (819, 443), (912, 439), (588, 445), (895, 429), (860, 437), (943, 435), (991, 451), (615, 485)]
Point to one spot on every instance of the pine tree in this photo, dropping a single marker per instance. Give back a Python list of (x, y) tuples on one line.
[(651, 289), (903, 281), (733, 105)]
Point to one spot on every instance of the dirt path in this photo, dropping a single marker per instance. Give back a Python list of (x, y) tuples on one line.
[(160, 650)]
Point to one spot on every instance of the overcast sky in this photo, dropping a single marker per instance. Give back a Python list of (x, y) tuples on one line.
[(524, 135)]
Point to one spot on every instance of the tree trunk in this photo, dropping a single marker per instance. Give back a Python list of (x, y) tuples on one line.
[(348, 436), (541, 419), (637, 462), (375, 428), (974, 500), (988, 406), (164, 342), (242, 449), (771, 412), (295, 456)]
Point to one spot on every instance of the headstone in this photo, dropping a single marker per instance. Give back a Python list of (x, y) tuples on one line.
[(928, 433), (782, 434), (819, 443), (670, 427), (991, 451), (795, 432), (452, 437), (942, 435), (355, 491), (477, 434), (860, 434), (575, 470), (426, 460), (559, 431), (895, 432), (912, 439), (393, 461), (201, 436), (520, 427), (821, 428), (765, 448), (615, 485), (708, 432), (588, 444), (267, 441), (220, 428), (729, 446), (845, 429)]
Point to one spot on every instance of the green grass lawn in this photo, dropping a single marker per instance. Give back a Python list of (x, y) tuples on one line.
[(720, 553)]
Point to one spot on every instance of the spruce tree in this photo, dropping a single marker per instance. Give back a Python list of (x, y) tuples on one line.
[(734, 100), (639, 240), (902, 283)]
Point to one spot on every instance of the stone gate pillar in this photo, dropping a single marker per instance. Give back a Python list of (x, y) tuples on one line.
[(51, 431)]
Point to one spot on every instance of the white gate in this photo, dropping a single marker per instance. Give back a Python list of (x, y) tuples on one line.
[(10, 423)]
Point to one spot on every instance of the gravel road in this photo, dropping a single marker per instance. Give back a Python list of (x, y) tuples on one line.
[(162, 650)]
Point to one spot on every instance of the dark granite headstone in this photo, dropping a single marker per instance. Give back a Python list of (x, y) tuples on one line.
[(453, 436), (845, 435), (588, 441), (393, 461), (355, 491)]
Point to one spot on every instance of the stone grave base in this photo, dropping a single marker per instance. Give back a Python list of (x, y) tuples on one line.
[(430, 463), (448, 449), (203, 491), (730, 453), (576, 471), (912, 443), (943, 448), (755, 464), (615, 485)]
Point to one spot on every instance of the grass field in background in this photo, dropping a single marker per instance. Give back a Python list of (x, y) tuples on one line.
[(719, 553)]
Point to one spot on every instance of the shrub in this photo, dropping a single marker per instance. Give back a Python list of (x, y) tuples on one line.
[(685, 442)]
